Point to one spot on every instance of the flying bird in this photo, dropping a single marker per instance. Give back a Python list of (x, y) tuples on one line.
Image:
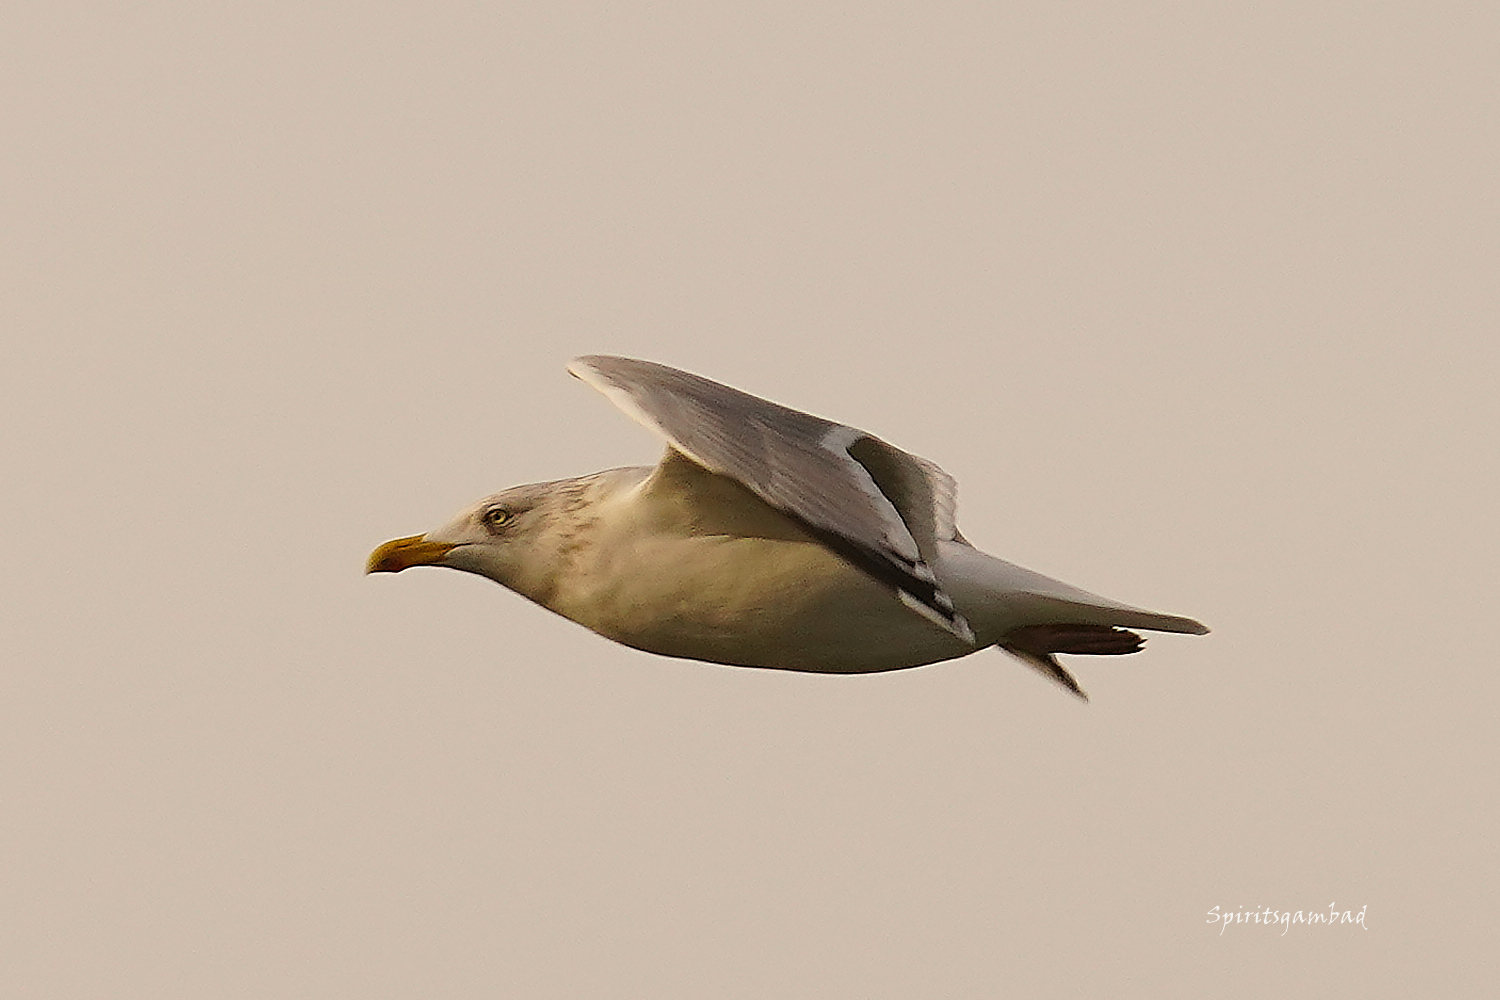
[(768, 537)]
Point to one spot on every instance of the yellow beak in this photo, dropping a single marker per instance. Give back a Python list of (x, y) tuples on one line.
[(394, 556)]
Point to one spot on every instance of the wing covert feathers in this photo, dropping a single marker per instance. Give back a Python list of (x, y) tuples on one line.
[(881, 508)]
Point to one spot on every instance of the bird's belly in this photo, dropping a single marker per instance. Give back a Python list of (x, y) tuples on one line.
[(758, 602)]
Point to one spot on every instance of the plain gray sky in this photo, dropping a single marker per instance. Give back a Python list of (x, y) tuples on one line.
[(1198, 302)]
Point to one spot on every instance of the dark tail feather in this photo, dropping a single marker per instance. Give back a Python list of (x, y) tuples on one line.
[(1035, 644)]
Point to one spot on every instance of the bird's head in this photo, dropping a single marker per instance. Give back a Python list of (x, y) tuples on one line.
[(496, 537)]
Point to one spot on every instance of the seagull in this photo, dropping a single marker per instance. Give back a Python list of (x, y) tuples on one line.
[(768, 537)]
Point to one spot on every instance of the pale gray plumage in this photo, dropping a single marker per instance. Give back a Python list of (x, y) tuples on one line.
[(768, 537)]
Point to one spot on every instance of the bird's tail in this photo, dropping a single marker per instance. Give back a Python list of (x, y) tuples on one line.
[(1038, 616)]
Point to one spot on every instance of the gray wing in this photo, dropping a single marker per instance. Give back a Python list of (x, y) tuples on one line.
[(882, 509)]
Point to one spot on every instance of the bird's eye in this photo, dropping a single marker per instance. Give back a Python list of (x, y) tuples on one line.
[(497, 517)]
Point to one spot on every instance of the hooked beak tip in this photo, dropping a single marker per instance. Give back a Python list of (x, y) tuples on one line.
[(403, 553)]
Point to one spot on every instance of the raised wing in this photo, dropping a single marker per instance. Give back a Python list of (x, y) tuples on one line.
[(881, 508)]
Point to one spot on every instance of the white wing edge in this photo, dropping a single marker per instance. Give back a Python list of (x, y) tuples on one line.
[(836, 442)]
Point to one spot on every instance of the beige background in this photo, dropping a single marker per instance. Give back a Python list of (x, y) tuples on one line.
[(1198, 301)]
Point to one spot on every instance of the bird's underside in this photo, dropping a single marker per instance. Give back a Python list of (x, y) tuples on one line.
[(721, 576)]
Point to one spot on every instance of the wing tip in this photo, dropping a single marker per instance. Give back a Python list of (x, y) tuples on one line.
[(1046, 664), (1171, 623), (1178, 625)]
